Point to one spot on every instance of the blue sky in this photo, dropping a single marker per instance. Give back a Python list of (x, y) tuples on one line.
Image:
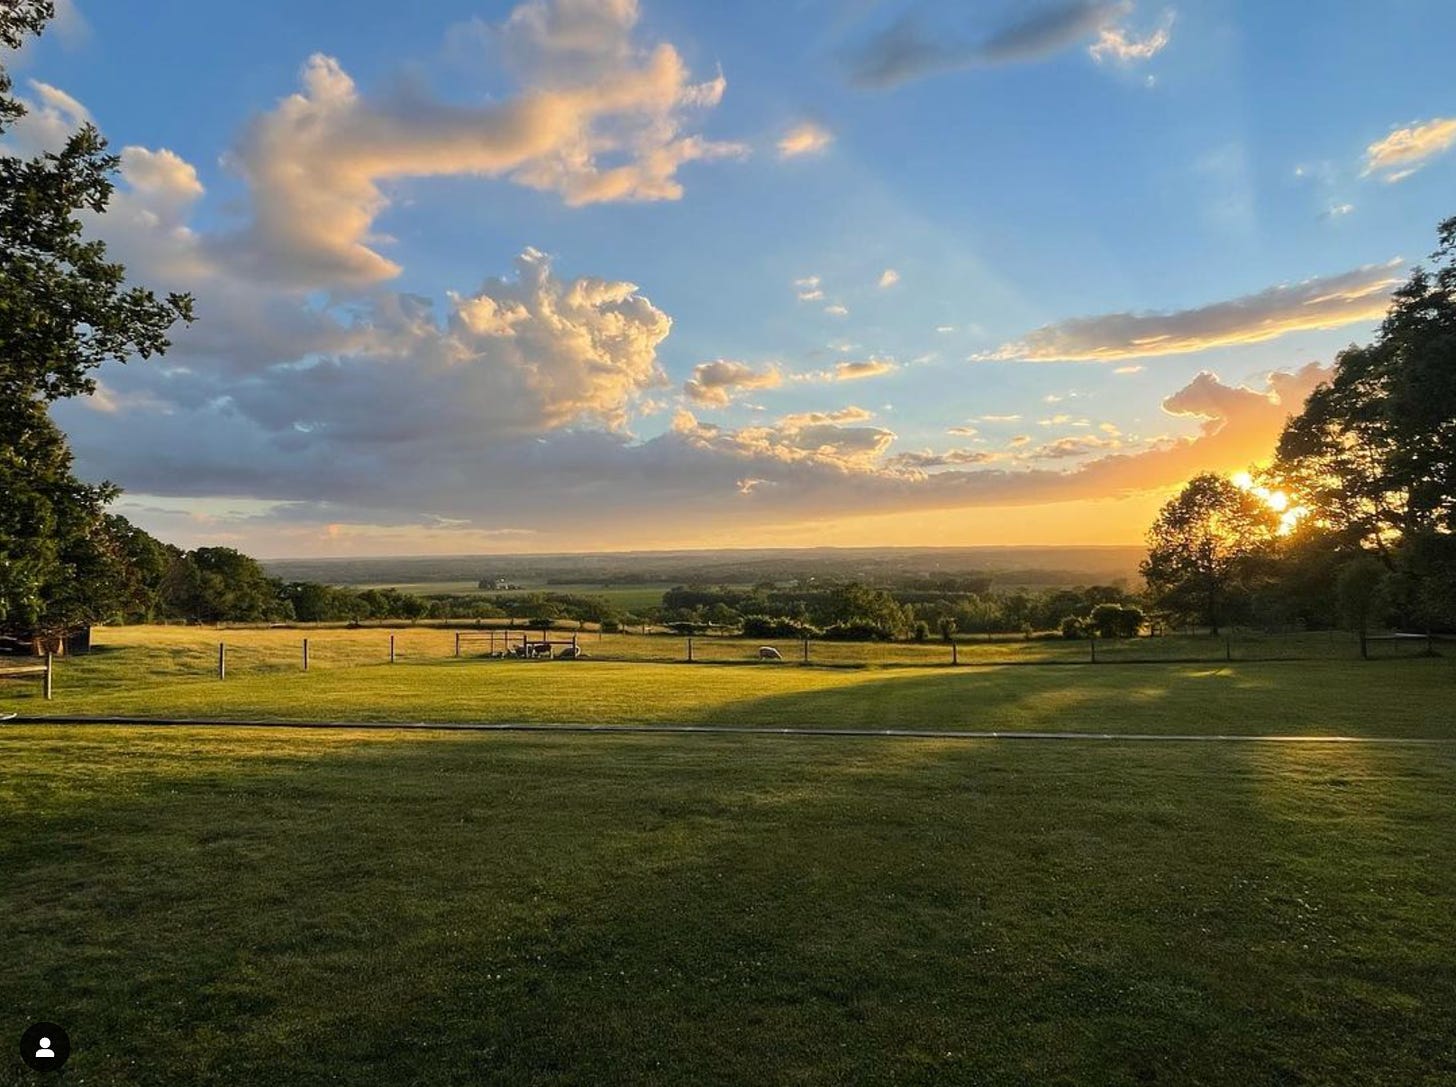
[(1065, 212)]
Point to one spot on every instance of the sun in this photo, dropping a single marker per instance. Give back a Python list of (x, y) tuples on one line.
[(1289, 514)]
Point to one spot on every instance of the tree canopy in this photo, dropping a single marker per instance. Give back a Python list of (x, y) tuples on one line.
[(65, 310)]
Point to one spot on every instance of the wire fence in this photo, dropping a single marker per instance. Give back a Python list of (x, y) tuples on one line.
[(173, 652)]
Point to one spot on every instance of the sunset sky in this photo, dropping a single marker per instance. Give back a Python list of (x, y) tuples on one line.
[(605, 274)]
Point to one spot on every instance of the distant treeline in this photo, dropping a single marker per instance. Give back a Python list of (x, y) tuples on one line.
[(860, 612)]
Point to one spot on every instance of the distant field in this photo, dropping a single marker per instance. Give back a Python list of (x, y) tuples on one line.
[(631, 598)]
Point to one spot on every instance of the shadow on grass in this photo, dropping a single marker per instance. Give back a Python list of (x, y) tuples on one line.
[(653, 909)]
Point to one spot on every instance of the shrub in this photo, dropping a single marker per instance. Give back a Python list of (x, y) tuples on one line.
[(921, 632)]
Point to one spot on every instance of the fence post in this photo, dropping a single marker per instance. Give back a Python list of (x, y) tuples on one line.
[(49, 672), (457, 643), (222, 660), (954, 658), (1228, 647), (391, 649), (1093, 643), (690, 649), (806, 649), (305, 654)]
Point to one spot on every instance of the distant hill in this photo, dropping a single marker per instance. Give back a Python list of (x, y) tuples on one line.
[(1032, 566)]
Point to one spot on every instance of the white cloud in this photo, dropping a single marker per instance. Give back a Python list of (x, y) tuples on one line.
[(1117, 44), (852, 370), (1325, 302), (1406, 150), (888, 278), (51, 117), (836, 310), (598, 119), (804, 139)]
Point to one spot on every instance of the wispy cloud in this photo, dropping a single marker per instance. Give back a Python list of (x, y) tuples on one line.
[(1406, 150), (807, 138), (888, 278), (1123, 47), (1326, 302), (907, 50)]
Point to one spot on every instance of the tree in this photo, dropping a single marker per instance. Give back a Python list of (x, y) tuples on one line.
[(947, 627), (1359, 586), (1207, 547), (64, 310), (1373, 453), (221, 585), (1116, 620)]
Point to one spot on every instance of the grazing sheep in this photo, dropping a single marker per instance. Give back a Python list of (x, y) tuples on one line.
[(769, 653)]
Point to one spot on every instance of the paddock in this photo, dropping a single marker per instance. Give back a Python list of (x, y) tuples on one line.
[(515, 644)]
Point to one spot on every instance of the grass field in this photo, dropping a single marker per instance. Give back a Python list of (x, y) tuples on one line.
[(215, 907), (140, 671), (397, 907)]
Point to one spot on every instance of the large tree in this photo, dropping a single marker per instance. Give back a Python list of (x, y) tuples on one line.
[(64, 310), (1373, 453), (1207, 550)]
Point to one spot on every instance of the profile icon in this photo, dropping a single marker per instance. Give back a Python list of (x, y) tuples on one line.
[(45, 1046)]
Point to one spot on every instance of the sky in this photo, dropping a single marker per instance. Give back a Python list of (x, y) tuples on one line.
[(574, 275)]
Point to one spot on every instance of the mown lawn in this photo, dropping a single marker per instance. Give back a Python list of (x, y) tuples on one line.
[(171, 673), (224, 907)]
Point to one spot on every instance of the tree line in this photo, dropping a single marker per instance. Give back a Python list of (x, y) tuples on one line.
[(1353, 522)]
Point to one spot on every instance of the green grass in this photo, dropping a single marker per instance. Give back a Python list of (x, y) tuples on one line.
[(217, 907), (170, 672), (224, 906)]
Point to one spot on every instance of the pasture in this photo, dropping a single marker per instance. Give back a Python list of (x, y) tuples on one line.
[(394, 906)]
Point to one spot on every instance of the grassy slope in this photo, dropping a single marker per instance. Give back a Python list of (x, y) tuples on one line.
[(156, 672), (215, 908)]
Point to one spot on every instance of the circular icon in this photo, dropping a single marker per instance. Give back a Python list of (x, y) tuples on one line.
[(45, 1046)]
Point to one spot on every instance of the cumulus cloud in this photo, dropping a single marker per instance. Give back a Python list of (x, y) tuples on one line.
[(850, 414), (597, 119), (1075, 445), (924, 459), (837, 310), (888, 278), (1406, 150), (51, 117), (807, 138), (908, 50), (716, 383), (1325, 302), (851, 370)]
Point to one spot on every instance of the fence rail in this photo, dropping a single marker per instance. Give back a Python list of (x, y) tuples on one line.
[(199, 652)]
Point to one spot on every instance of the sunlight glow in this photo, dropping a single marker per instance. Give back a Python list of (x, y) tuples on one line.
[(1278, 501)]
